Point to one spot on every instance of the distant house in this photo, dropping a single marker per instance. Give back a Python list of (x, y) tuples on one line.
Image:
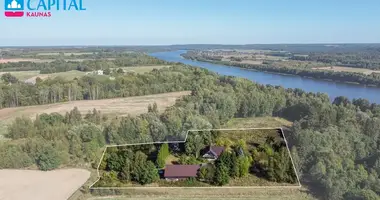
[(213, 152), (100, 72), (180, 172), (97, 72)]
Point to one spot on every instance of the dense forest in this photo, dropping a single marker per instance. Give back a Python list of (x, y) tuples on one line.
[(335, 145), (360, 78)]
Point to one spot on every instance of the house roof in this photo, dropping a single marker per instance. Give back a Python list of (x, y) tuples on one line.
[(217, 150), (181, 171)]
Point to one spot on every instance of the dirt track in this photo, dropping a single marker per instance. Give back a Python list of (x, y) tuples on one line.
[(39, 185)]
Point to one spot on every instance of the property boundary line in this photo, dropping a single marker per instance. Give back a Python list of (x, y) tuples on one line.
[(187, 133)]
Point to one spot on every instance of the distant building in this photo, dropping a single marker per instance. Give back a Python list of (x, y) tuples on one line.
[(180, 172), (97, 72), (100, 72)]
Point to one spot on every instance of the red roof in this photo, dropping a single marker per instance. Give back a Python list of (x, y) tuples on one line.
[(217, 150), (181, 171)]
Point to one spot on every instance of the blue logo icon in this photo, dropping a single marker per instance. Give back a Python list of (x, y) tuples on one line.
[(14, 8), (14, 5)]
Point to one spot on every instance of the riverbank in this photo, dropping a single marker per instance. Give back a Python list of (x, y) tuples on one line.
[(340, 77)]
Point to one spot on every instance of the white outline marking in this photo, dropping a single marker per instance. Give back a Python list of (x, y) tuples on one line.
[(187, 133)]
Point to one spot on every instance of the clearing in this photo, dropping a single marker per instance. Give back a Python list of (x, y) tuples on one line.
[(119, 106), (258, 122), (39, 185), (347, 69)]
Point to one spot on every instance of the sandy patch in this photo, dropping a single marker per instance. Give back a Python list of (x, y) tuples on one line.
[(39, 185)]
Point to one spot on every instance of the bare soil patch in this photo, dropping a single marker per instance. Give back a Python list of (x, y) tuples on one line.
[(39, 185)]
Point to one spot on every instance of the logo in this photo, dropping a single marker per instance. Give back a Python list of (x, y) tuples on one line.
[(40, 8), (14, 8)]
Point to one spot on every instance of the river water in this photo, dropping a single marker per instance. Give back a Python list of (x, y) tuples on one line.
[(310, 85)]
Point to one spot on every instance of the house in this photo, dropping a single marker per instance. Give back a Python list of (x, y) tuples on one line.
[(180, 172), (213, 152), (99, 72)]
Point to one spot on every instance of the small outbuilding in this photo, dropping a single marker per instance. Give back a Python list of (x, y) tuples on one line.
[(180, 172)]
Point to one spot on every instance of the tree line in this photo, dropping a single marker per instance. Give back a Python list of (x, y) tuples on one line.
[(94, 62)]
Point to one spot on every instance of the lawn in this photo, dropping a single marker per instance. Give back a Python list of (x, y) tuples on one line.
[(170, 160)]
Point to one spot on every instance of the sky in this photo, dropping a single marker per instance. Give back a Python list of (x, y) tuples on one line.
[(165, 22)]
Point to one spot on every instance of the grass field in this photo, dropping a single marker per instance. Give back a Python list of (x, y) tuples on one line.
[(23, 75), (258, 122), (118, 106), (142, 69), (347, 69)]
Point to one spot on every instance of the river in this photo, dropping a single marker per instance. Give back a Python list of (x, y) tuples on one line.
[(333, 89)]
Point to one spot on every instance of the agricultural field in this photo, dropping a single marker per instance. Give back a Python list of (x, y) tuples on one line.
[(64, 53), (13, 60), (119, 106), (39, 185), (347, 69), (69, 75)]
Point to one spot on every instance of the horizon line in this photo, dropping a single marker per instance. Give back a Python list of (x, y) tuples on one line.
[(188, 44)]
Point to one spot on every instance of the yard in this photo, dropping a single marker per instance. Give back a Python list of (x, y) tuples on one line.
[(200, 161)]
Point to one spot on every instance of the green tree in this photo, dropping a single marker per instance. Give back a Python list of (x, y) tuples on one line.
[(234, 165), (9, 78), (48, 158), (244, 165), (147, 174), (107, 71), (194, 145), (125, 173), (221, 175), (163, 153)]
